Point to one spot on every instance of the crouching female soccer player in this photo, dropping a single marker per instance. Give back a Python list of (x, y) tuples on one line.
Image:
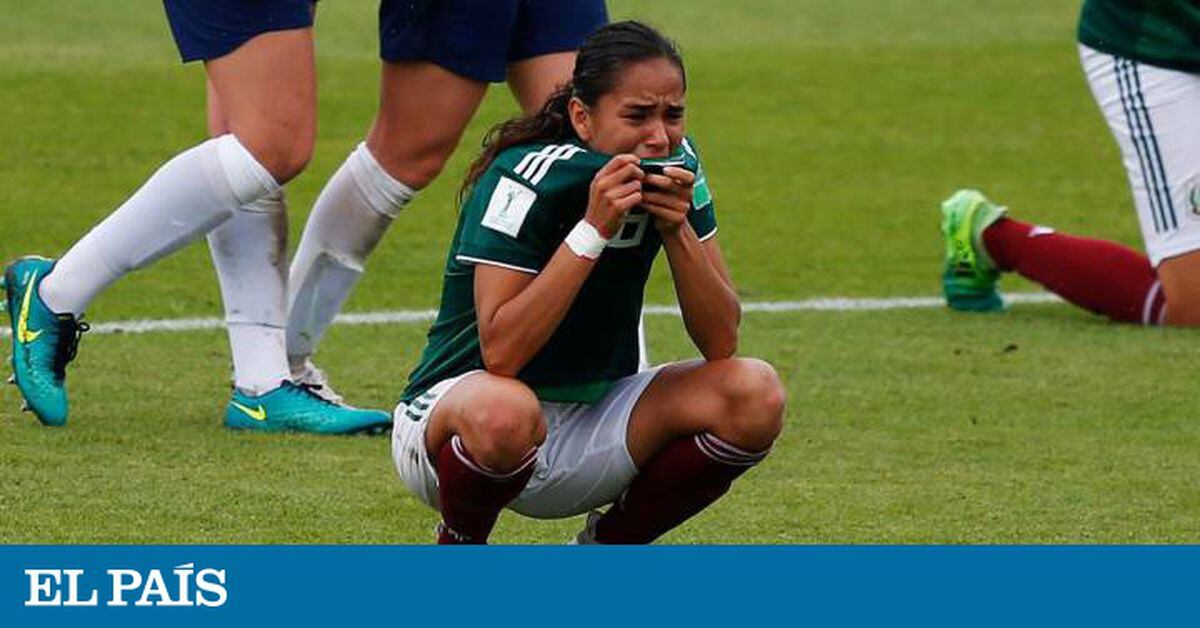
[(528, 394)]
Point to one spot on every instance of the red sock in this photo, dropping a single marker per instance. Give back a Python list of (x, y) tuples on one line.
[(1099, 276), (677, 482), (472, 496)]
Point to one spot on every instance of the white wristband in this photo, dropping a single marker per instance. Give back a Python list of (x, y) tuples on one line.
[(585, 241)]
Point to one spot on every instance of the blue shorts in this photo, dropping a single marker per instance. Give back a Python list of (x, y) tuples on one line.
[(479, 38), (208, 29)]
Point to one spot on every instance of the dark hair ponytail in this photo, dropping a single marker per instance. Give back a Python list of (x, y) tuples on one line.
[(601, 58), (551, 123)]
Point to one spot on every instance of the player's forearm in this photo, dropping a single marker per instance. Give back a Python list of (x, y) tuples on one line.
[(711, 311), (522, 326)]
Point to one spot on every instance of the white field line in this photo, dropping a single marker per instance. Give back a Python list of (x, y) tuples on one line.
[(826, 304)]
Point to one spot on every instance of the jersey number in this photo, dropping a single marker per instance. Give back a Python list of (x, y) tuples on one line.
[(631, 231)]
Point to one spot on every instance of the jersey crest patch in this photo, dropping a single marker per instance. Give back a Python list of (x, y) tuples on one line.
[(508, 207)]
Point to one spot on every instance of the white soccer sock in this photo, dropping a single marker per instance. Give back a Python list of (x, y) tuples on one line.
[(187, 197), (249, 253), (350, 216)]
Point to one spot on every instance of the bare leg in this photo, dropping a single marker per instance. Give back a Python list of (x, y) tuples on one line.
[(695, 430), (1180, 278), (266, 95), (532, 81), (267, 98), (498, 419), (484, 435), (739, 400), (423, 111)]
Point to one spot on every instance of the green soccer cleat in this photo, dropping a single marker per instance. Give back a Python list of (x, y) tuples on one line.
[(969, 276), (43, 343), (295, 408)]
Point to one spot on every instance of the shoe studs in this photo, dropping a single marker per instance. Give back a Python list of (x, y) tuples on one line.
[(12, 379), (25, 407)]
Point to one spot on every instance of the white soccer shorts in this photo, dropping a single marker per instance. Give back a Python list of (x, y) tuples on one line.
[(1154, 113), (584, 463)]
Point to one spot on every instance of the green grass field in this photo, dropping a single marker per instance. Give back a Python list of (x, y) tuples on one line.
[(831, 130)]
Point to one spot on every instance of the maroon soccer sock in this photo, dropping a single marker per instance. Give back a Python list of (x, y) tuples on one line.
[(679, 481), (1099, 276), (472, 496)]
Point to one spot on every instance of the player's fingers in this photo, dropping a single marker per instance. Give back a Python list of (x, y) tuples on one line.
[(617, 164), (623, 190), (661, 182), (681, 176), (660, 208), (629, 172), (668, 185), (628, 202), (606, 177), (618, 176), (618, 161), (667, 200), (665, 214)]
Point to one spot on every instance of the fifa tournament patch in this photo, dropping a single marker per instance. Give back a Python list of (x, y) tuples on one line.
[(508, 207)]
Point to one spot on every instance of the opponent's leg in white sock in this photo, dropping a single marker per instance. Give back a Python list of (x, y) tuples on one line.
[(187, 197), (349, 218), (249, 253)]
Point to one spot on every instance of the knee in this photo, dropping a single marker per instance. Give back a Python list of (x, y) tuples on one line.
[(416, 170), (754, 400), (504, 428), (289, 161), (419, 173), (285, 157), (415, 162)]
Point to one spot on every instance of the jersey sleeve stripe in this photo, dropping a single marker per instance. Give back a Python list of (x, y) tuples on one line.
[(479, 260), (708, 235), (535, 174), (531, 160), (565, 152)]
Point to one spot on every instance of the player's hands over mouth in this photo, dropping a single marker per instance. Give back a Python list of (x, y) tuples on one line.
[(668, 197), (616, 189)]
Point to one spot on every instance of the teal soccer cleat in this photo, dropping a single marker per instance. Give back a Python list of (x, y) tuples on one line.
[(44, 343), (295, 408), (969, 276)]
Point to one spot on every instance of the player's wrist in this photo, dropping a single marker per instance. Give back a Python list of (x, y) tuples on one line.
[(673, 233), (585, 240), (668, 227), (605, 230)]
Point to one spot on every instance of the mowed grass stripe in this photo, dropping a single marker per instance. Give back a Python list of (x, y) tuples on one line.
[(821, 304)]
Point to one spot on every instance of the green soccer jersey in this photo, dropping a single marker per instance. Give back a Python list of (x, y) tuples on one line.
[(517, 215), (1164, 33)]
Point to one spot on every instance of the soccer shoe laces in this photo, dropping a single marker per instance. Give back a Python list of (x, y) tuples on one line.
[(70, 330), (312, 377), (312, 390)]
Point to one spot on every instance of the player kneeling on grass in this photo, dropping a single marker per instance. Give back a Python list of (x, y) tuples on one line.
[(528, 394)]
